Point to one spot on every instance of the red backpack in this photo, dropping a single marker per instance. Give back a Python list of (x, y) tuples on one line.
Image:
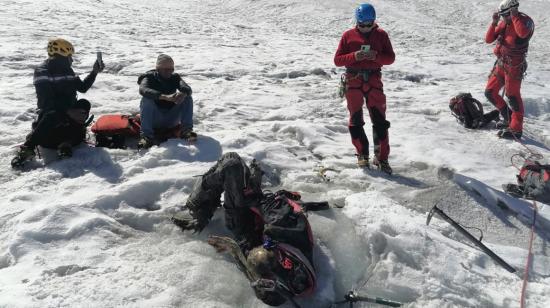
[(534, 180), (111, 130)]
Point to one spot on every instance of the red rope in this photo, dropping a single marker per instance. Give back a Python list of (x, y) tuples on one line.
[(532, 236), (529, 257)]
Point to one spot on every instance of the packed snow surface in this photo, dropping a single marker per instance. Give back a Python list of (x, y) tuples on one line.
[(93, 230)]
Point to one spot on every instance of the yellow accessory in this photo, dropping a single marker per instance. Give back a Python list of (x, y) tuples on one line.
[(60, 47)]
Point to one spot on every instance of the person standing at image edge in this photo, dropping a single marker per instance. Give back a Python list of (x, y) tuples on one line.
[(512, 35), (363, 50)]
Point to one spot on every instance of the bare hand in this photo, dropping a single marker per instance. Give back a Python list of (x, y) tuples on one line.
[(360, 55), (168, 98), (178, 98), (371, 55)]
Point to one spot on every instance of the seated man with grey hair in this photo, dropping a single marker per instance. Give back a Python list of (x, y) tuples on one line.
[(166, 107)]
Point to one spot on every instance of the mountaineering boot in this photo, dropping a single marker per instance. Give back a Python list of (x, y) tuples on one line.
[(145, 143), (188, 134), (507, 133), (513, 190), (502, 124), (363, 161), (382, 165), (188, 220), (64, 150), (24, 154)]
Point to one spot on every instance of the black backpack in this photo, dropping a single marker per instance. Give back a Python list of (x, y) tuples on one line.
[(284, 220), (467, 110)]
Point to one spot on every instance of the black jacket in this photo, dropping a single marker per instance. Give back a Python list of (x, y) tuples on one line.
[(151, 85), (56, 84)]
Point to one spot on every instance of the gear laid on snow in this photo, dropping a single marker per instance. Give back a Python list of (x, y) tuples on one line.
[(111, 130), (59, 46), (477, 242), (533, 182), (353, 297), (469, 111)]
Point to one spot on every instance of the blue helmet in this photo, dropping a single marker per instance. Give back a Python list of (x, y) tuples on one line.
[(365, 13)]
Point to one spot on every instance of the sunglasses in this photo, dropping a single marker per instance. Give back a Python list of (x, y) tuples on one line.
[(504, 14), (365, 24), (165, 69)]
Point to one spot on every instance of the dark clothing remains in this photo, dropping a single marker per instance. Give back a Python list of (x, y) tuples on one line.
[(274, 220), (241, 188), (249, 213), (56, 84), (152, 85), (55, 127)]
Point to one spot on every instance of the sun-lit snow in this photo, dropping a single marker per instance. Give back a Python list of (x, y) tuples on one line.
[(93, 230)]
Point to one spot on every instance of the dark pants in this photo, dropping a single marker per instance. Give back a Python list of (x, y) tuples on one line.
[(370, 91), (232, 177), (509, 77), (55, 127)]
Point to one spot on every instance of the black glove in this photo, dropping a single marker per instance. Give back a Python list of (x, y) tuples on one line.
[(98, 66)]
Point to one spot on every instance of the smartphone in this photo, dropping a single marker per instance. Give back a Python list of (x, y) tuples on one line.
[(99, 58), (365, 48)]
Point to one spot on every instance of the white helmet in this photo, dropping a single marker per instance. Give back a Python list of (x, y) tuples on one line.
[(506, 5)]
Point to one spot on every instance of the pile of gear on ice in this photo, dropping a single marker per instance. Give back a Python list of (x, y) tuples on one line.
[(272, 241)]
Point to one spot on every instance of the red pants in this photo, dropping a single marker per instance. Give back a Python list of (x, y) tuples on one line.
[(510, 78), (372, 92)]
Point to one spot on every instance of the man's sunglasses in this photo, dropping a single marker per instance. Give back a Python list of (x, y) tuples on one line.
[(505, 14), (365, 24)]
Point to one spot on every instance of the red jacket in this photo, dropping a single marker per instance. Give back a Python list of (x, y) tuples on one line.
[(513, 39), (351, 42)]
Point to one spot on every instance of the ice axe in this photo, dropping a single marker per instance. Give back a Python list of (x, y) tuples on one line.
[(468, 235), (353, 297)]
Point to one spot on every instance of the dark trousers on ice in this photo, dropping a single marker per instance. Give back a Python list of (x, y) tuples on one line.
[(53, 127), (371, 91)]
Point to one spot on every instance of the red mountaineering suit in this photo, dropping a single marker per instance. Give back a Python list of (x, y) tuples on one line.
[(364, 82), (511, 50)]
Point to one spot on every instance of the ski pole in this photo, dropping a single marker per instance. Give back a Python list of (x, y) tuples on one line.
[(478, 243)]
